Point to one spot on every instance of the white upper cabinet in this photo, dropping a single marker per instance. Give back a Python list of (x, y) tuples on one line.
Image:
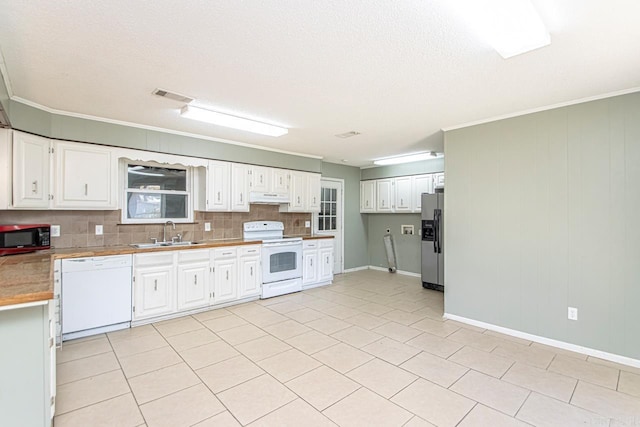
[(297, 190), (85, 176), (280, 180), (240, 187), (384, 195), (403, 194), (438, 179), (400, 194), (218, 186), (261, 179), (367, 196), (5, 168), (313, 192), (423, 184), (31, 167)]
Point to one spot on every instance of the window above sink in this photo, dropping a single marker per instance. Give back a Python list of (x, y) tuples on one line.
[(156, 193)]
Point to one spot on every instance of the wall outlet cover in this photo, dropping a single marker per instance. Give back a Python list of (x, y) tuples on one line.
[(572, 313), (55, 231), (99, 230), (307, 224), (207, 226)]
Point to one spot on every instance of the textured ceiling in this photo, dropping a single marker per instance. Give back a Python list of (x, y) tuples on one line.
[(397, 71)]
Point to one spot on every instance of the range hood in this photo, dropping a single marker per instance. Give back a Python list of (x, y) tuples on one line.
[(268, 198)]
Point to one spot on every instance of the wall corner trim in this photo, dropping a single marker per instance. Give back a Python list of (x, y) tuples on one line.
[(548, 341)]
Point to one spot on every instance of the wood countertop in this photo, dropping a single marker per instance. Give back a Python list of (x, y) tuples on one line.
[(29, 277)]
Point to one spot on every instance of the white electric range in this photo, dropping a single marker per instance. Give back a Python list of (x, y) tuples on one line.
[(281, 257)]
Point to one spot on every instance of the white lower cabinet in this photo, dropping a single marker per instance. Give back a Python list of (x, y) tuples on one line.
[(225, 271), (317, 257), (310, 262), (250, 272), (154, 284), (193, 279), (325, 268), (28, 358)]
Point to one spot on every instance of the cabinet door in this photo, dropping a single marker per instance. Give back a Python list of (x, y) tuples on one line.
[(153, 291), (297, 189), (193, 285), (403, 194), (224, 280), (310, 266), (261, 179), (86, 176), (367, 196), (313, 192), (422, 184), (31, 160), (325, 269), (239, 187), (218, 186), (438, 179), (250, 282), (384, 195), (280, 180)]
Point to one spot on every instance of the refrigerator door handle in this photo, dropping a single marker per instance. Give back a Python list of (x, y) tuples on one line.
[(435, 231), (436, 226)]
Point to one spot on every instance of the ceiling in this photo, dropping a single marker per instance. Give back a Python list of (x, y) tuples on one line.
[(396, 71)]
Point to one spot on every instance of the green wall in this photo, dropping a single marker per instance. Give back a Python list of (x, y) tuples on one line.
[(30, 119), (413, 168), (541, 214), (407, 247), (355, 223)]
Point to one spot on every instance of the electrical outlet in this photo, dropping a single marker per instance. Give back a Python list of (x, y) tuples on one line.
[(55, 231), (99, 230), (572, 313), (207, 226), (307, 224)]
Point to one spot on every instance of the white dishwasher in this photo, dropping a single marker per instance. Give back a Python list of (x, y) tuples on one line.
[(96, 295)]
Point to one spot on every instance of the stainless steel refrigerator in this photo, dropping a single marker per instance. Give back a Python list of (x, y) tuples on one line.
[(432, 238)]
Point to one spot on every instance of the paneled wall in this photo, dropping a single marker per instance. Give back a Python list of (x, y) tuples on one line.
[(542, 212)]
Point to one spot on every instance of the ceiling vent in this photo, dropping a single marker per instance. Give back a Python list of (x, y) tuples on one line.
[(348, 134), (170, 95)]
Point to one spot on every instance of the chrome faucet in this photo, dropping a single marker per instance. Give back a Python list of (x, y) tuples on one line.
[(164, 230)]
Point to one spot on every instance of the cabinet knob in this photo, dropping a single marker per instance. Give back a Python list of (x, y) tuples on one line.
[(34, 187), (227, 274), (155, 284), (251, 271), (218, 196), (86, 189), (195, 280)]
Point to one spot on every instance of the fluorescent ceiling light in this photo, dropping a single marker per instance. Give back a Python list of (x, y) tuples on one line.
[(220, 119), (512, 27), (407, 159)]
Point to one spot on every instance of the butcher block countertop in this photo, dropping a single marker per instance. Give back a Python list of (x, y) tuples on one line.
[(29, 277)]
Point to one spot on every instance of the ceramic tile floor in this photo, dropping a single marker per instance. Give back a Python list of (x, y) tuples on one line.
[(371, 349)]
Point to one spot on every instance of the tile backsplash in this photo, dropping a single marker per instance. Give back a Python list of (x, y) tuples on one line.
[(77, 228)]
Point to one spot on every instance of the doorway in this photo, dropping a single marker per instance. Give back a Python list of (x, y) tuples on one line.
[(330, 219)]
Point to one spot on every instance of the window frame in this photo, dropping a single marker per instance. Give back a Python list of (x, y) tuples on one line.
[(125, 191)]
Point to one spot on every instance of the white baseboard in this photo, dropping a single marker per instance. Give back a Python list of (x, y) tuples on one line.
[(404, 273), (548, 341), (351, 270)]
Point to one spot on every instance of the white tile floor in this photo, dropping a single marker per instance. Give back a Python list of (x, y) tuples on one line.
[(371, 349)]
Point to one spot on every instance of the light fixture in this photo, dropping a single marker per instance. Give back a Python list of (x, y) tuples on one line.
[(407, 158), (511, 27), (226, 120)]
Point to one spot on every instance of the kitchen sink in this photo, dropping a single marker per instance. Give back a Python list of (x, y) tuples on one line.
[(163, 244)]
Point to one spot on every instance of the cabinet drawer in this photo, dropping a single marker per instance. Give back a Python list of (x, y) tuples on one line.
[(193, 255), (154, 258), (309, 244), (228, 252), (253, 250)]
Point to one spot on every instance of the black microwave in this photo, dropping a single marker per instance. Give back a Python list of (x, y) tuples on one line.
[(21, 238)]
